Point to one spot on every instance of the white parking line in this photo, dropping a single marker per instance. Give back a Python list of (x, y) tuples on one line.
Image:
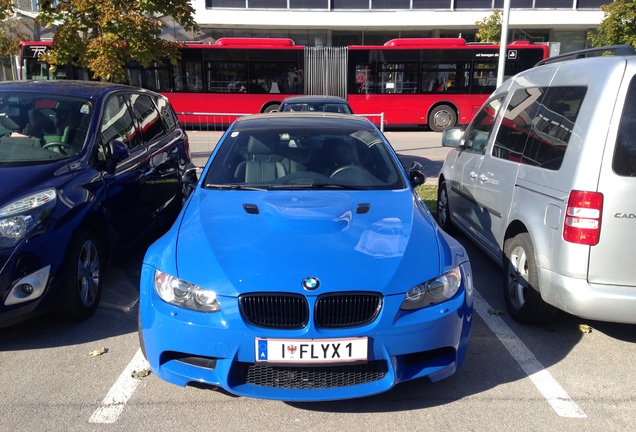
[(547, 385), (115, 401)]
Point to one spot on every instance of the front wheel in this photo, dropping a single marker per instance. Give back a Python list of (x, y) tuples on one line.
[(442, 117), (443, 208), (521, 283), (82, 277)]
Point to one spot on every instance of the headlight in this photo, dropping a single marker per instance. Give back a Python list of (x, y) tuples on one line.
[(21, 216), (434, 291), (184, 294)]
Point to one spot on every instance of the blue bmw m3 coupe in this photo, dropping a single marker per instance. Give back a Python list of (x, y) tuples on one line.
[(305, 267)]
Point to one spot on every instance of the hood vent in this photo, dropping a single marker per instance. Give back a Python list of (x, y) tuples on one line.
[(251, 209), (363, 208)]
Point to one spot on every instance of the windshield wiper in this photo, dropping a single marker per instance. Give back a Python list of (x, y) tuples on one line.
[(314, 186), (234, 186)]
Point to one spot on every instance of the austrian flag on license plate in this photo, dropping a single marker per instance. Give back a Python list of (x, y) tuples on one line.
[(311, 350)]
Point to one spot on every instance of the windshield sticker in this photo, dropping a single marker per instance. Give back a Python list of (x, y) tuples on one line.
[(85, 109), (234, 134)]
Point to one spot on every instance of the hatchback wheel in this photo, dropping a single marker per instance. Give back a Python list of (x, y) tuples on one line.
[(83, 278), (521, 283)]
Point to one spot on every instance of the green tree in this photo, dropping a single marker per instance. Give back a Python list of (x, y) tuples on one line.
[(618, 25), (490, 27), (11, 29), (103, 36)]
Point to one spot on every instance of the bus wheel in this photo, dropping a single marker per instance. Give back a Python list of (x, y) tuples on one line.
[(271, 108), (442, 117)]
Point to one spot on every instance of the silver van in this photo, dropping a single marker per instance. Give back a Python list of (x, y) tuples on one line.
[(544, 181)]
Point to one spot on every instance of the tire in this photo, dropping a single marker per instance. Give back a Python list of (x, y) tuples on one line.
[(442, 117), (83, 272), (443, 209), (521, 283), (271, 108)]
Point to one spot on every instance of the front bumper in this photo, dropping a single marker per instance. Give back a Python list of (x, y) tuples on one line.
[(218, 349)]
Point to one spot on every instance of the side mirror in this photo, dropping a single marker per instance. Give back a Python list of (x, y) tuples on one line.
[(189, 176), (118, 152), (416, 174), (452, 137), (157, 159)]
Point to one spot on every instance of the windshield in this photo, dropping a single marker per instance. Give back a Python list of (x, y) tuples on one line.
[(40, 128), (280, 155), (335, 107)]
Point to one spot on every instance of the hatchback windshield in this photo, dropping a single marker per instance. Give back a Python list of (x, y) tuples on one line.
[(39, 128), (291, 155)]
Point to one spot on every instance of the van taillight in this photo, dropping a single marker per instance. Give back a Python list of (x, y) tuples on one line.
[(582, 223)]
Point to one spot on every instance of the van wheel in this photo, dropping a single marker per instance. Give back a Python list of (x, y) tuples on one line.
[(443, 209), (442, 117), (521, 283), (82, 278)]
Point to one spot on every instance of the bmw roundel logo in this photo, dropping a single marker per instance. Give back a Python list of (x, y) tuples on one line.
[(311, 283)]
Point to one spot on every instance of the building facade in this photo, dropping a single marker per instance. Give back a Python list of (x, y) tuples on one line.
[(371, 22), (374, 22)]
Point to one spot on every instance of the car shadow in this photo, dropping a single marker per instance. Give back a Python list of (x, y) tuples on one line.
[(116, 314)]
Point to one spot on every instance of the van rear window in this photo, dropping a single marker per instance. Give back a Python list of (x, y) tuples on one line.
[(537, 125), (624, 163)]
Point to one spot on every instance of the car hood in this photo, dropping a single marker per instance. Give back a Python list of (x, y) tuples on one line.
[(258, 241), (28, 179)]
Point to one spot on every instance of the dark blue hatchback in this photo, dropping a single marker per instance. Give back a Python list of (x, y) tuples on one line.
[(87, 170)]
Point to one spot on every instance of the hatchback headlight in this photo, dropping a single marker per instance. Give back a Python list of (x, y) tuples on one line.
[(20, 217), (434, 291), (184, 294)]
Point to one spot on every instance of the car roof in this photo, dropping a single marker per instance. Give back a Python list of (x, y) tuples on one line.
[(66, 87), (314, 99), (305, 119)]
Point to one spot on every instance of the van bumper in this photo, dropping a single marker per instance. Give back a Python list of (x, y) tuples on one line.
[(611, 303)]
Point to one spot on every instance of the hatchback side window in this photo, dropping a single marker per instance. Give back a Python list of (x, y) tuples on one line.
[(167, 114), (117, 123), (148, 117), (477, 136), (624, 163)]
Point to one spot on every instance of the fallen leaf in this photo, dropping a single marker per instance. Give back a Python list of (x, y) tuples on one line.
[(98, 352), (140, 374), (495, 312), (584, 328)]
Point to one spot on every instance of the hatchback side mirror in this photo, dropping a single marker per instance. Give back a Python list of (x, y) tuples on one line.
[(118, 152)]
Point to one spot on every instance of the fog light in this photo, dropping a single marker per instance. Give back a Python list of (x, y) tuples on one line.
[(27, 289)]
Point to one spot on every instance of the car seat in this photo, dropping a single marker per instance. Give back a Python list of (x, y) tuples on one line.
[(261, 166), (42, 125)]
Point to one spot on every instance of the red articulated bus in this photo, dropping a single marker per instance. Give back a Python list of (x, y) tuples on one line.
[(438, 82)]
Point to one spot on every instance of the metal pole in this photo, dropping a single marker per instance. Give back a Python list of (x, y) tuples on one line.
[(504, 42)]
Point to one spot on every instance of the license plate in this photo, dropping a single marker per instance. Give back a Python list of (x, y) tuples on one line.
[(311, 350)]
